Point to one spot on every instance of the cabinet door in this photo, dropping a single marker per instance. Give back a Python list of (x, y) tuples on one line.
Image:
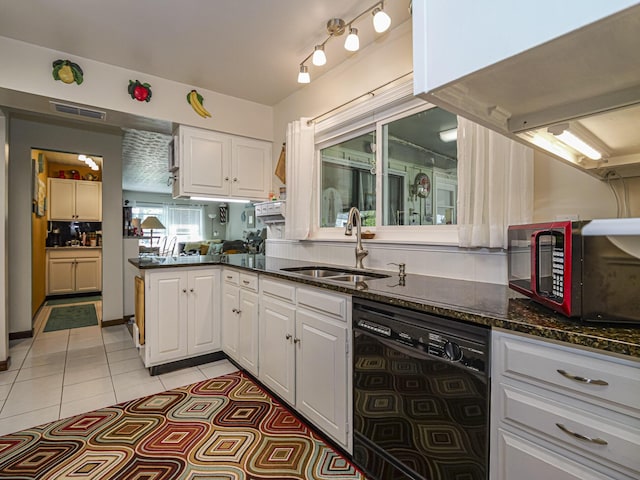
[(248, 331), (251, 168), (62, 199), (166, 308), (204, 311), (230, 304), (321, 372), (60, 276), (88, 201), (88, 274), (277, 353), (205, 158)]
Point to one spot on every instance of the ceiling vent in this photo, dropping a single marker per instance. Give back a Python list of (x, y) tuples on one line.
[(76, 110)]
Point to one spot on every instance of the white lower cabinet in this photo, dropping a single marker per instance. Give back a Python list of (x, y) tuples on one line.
[(182, 314), (74, 270), (561, 412), (305, 354), (240, 318)]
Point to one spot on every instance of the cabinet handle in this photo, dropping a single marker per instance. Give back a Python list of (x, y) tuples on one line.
[(582, 379), (235, 179), (579, 436), (191, 290), (226, 179), (234, 310), (288, 336), (229, 277), (184, 290), (296, 340), (246, 282)]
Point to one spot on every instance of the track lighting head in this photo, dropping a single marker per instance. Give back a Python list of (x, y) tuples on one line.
[(381, 21), (319, 58), (352, 42), (303, 75)]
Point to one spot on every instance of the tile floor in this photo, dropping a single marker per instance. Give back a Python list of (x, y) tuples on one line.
[(63, 373)]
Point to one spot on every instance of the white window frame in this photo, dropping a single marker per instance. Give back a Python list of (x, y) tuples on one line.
[(372, 114)]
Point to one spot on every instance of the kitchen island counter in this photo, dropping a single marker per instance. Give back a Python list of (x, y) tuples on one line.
[(488, 304)]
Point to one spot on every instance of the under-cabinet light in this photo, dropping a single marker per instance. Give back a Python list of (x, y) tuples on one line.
[(563, 134), (224, 200), (449, 135)]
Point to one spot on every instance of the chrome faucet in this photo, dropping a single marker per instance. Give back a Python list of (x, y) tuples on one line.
[(354, 216)]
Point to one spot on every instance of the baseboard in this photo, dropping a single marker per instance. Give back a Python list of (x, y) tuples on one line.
[(19, 335), (5, 364), (111, 323), (187, 362)]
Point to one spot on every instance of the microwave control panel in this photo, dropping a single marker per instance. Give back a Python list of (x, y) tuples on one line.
[(558, 272)]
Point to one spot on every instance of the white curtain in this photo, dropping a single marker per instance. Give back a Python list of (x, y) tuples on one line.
[(301, 167), (495, 185)]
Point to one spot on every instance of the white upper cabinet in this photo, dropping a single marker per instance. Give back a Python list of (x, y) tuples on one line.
[(74, 200), (215, 164)]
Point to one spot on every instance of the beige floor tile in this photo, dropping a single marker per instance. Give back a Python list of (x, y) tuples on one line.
[(181, 378), (40, 371), (33, 360), (85, 373), (128, 365), (27, 420), (119, 355), (89, 388), (33, 395), (8, 377), (215, 369), (87, 404), (124, 394)]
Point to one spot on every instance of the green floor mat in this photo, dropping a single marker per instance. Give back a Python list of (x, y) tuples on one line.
[(64, 301), (73, 316)]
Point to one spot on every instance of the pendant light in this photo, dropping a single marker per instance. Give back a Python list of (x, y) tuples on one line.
[(319, 58), (352, 42), (381, 21)]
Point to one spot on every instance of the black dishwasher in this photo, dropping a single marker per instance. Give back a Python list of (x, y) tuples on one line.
[(420, 395)]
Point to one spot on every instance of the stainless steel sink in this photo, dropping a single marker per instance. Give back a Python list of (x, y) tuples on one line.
[(357, 278), (333, 273)]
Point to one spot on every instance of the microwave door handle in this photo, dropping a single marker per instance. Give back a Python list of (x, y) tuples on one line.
[(535, 245)]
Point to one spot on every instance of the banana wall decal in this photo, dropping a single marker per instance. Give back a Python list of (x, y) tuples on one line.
[(195, 100)]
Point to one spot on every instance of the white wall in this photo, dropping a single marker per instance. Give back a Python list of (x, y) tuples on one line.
[(27, 133), (4, 221), (27, 68)]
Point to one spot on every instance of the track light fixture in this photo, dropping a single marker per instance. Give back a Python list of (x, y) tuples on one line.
[(335, 28), (352, 43)]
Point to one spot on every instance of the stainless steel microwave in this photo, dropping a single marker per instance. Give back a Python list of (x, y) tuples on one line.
[(588, 269)]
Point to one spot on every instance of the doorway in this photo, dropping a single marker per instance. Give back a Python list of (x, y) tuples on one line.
[(66, 227)]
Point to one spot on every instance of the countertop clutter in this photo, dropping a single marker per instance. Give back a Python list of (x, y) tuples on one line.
[(481, 303)]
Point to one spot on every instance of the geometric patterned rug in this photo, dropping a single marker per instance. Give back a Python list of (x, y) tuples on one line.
[(225, 428)]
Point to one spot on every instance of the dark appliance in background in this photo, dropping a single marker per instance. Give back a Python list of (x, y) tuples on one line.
[(573, 269), (420, 395)]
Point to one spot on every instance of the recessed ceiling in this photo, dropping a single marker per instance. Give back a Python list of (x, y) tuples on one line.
[(244, 48)]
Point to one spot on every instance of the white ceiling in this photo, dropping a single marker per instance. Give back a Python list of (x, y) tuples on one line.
[(249, 49)]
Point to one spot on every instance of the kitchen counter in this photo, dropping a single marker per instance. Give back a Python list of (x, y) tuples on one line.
[(488, 304)]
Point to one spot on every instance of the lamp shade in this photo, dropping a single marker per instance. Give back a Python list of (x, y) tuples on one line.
[(152, 223)]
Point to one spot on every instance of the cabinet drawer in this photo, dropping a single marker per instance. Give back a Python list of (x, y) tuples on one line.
[(284, 291), (330, 304), (231, 276), (249, 281), (594, 376), (597, 437), (523, 460)]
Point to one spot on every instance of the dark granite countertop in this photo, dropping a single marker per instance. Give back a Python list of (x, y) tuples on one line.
[(488, 304)]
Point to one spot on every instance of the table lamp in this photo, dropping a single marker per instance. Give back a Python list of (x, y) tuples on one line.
[(152, 223)]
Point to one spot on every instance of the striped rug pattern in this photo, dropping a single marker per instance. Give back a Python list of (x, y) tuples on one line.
[(225, 428)]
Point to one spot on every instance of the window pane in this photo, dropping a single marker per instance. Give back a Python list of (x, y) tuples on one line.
[(420, 179), (348, 180)]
